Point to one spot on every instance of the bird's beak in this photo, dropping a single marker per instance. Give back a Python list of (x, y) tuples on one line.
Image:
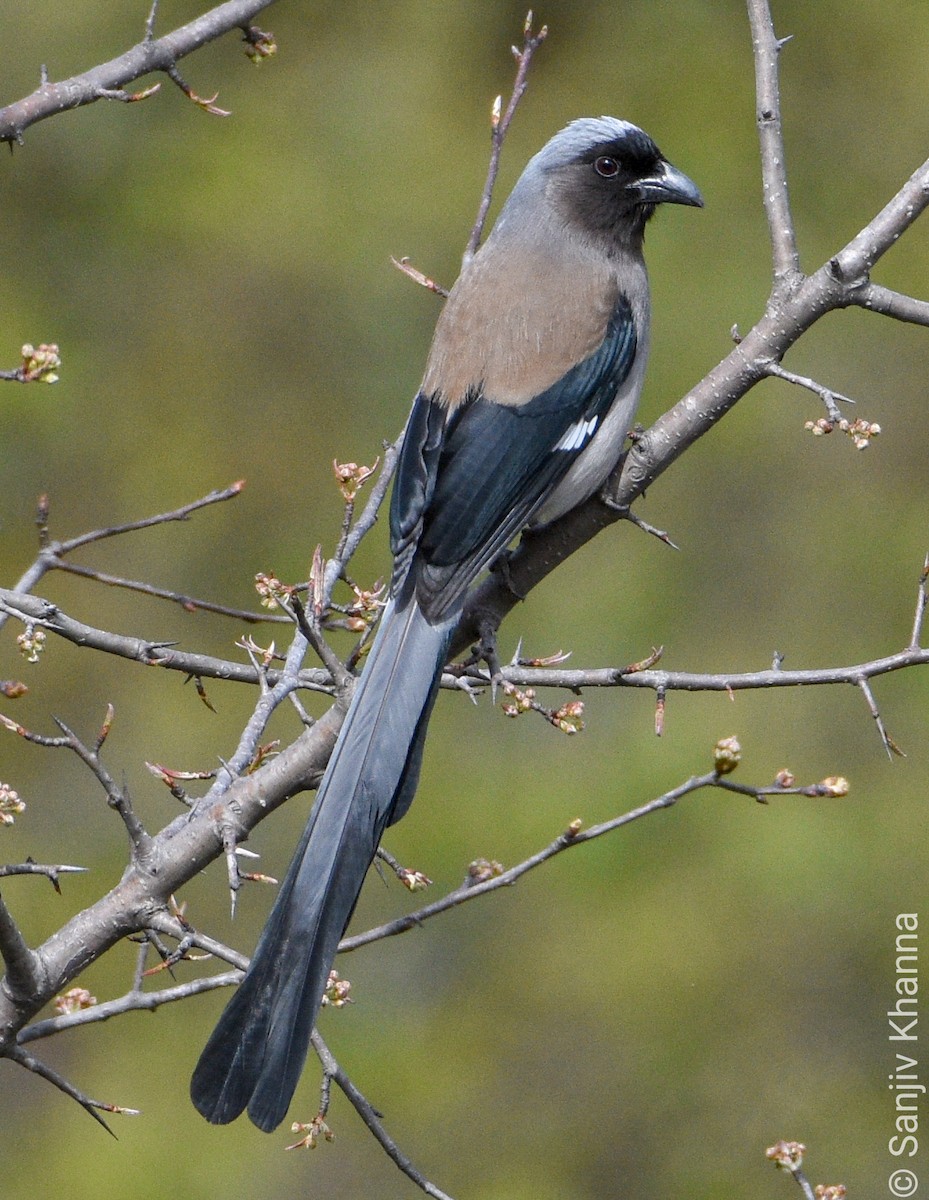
[(667, 185)]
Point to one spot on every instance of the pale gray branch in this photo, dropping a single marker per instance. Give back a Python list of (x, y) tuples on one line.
[(133, 1001), (688, 681), (575, 835), (23, 967), (892, 304), (34, 610), (767, 48), (372, 1119), (107, 80)]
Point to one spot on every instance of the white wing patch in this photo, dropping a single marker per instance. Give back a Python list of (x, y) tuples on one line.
[(577, 435)]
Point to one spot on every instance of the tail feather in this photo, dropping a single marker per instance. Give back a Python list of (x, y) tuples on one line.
[(257, 1051)]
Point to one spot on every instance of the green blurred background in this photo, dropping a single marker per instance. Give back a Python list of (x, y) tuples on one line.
[(643, 1016)]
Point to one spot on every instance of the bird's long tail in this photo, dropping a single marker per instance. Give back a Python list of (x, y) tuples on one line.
[(256, 1053)]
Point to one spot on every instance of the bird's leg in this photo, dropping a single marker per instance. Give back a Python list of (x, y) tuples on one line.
[(501, 567)]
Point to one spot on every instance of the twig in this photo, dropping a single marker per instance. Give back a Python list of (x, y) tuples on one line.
[(889, 303), (107, 80), (371, 1119), (889, 744), (574, 835), (23, 966), (175, 514), (188, 603), (150, 22), (335, 567), (167, 923), (827, 395), (33, 610), (499, 126), (634, 519), (49, 872), (207, 103), (767, 48), (117, 797), (134, 1000), (922, 598), (309, 626), (426, 281), (93, 1107), (139, 973), (51, 552), (687, 681)]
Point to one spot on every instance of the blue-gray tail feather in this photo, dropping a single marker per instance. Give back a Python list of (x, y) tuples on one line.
[(256, 1053)]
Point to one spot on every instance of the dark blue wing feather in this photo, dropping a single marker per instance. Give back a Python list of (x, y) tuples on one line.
[(414, 482)]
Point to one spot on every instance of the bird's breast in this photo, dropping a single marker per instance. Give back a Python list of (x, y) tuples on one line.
[(514, 324)]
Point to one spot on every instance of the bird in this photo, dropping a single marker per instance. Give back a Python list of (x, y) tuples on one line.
[(529, 391)]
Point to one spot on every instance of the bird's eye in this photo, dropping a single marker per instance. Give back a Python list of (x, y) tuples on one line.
[(606, 167)]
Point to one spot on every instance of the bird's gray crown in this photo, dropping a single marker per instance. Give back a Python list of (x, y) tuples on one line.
[(582, 136)]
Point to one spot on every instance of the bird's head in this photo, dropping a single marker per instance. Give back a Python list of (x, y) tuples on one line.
[(606, 177)]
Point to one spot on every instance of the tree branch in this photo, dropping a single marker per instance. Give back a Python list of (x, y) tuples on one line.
[(889, 303), (52, 553), (23, 968), (488, 878), (133, 1001), (371, 1119), (500, 124), (108, 80), (92, 1107), (33, 610), (767, 48)]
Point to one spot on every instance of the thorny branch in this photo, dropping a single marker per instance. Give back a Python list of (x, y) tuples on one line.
[(92, 1107), (484, 877), (53, 554), (243, 793), (500, 121), (767, 48), (500, 124), (371, 1119), (51, 872), (37, 612), (107, 81)]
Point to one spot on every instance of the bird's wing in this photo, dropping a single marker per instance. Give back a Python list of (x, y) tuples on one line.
[(466, 488)]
